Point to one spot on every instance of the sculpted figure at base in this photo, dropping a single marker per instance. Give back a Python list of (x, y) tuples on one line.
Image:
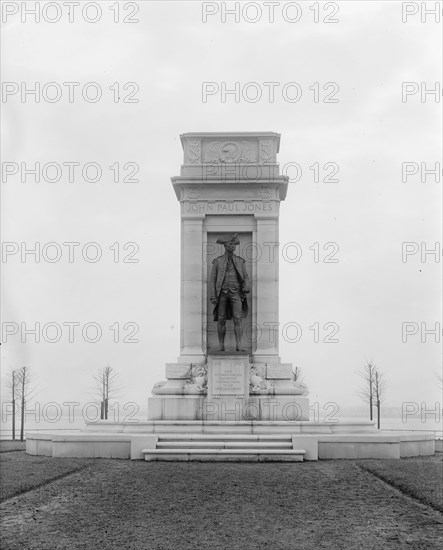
[(228, 286)]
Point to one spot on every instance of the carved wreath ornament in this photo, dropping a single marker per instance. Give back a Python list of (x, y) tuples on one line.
[(194, 151), (265, 193), (266, 150), (192, 194)]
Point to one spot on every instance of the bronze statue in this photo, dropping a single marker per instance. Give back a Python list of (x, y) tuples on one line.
[(228, 286)]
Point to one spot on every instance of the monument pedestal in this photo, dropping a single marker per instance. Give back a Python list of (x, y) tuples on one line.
[(230, 389), (229, 409)]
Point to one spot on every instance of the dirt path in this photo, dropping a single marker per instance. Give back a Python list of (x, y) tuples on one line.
[(135, 505)]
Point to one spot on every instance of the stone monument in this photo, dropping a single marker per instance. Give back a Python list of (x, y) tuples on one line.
[(229, 396), (230, 191)]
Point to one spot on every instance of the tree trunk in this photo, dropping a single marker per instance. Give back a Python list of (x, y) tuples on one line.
[(22, 419), (370, 407), (13, 406), (107, 394), (378, 414), (23, 396), (13, 420)]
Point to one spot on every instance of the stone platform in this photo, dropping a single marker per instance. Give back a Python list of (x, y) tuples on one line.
[(258, 441)]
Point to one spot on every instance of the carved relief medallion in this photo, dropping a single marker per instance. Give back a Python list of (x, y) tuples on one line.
[(230, 152)]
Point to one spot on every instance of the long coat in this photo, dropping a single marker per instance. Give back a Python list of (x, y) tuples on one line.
[(216, 281)]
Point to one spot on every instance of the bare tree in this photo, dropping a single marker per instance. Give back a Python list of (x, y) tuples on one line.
[(11, 383), (106, 388), (296, 374), (379, 392), (24, 388), (367, 391)]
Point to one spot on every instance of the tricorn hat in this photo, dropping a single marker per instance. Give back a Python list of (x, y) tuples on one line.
[(228, 238)]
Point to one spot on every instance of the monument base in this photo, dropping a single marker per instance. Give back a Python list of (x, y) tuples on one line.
[(231, 441), (229, 386), (229, 408)]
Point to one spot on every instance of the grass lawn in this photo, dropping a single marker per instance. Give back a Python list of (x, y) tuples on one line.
[(421, 478), (21, 472), (7, 446), (113, 504)]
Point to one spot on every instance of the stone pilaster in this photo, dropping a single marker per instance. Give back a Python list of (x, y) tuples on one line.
[(191, 293), (267, 290)]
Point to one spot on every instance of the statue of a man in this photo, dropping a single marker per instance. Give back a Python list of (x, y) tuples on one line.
[(228, 286)]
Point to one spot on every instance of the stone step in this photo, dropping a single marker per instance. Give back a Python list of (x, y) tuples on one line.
[(225, 444), (223, 437), (215, 455)]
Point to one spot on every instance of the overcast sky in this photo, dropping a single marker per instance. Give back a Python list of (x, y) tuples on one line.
[(169, 53)]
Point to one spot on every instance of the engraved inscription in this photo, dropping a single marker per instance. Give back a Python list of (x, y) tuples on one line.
[(228, 377), (221, 207)]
